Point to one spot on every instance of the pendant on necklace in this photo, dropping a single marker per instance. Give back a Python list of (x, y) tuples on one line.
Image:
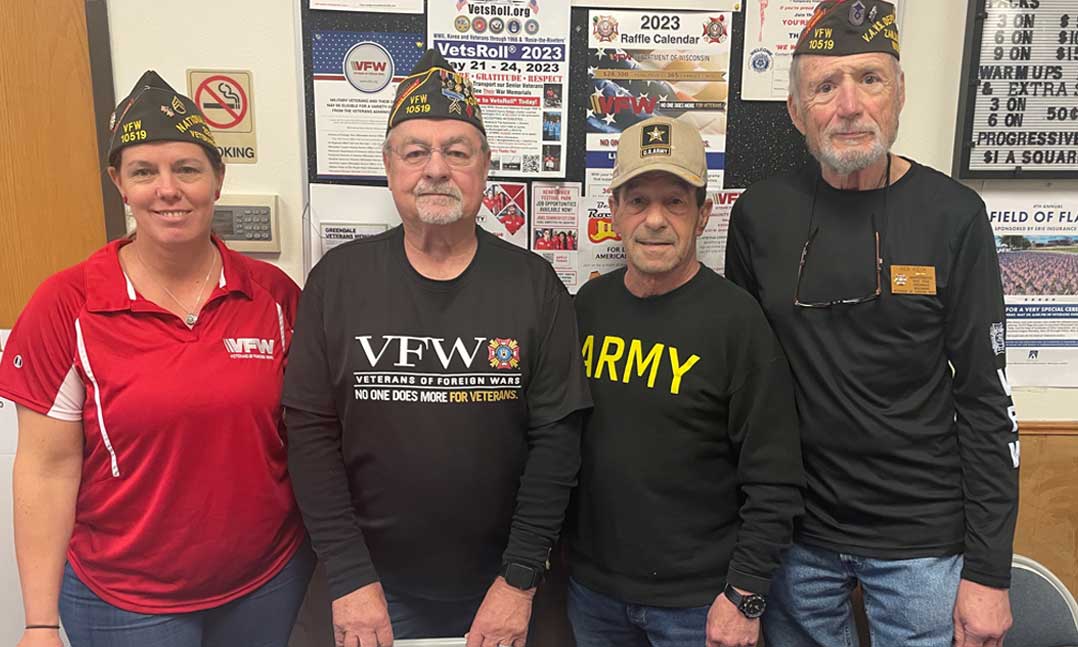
[(190, 319)]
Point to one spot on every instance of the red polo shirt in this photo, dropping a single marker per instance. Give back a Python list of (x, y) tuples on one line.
[(185, 501)]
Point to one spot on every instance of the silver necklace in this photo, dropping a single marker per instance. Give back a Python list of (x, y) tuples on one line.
[(191, 318)]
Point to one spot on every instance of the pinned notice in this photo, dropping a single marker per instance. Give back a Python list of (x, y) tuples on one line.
[(226, 98)]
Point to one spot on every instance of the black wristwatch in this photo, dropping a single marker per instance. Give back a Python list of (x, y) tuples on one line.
[(520, 576), (751, 606)]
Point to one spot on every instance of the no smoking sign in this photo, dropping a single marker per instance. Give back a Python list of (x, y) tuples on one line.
[(226, 99)]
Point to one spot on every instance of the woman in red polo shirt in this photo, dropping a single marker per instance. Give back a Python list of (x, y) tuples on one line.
[(152, 499)]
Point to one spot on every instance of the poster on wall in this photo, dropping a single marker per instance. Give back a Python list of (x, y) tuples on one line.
[(355, 78), (771, 31), (556, 228), (504, 211), (382, 6), (711, 245), (643, 64), (1037, 244), (772, 28), (516, 53)]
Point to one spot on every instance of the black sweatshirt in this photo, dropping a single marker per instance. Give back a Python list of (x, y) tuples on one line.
[(691, 461), (903, 458), (431, 424)]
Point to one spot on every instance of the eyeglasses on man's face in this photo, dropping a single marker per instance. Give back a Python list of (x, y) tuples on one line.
[(458, 154)]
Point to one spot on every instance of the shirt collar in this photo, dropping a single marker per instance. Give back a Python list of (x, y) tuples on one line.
[(108, 289)]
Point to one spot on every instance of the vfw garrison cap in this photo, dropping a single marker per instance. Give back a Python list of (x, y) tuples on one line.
[(434, 90), (661, 144), (154, 112), (845, 27)]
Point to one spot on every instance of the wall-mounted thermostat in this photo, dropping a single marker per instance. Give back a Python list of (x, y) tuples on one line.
[(248, 223)]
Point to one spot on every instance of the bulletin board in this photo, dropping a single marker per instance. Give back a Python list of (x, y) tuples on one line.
[(760, 140)]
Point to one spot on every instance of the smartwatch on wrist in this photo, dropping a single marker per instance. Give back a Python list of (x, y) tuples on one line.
[(520, 576), (751, 605)]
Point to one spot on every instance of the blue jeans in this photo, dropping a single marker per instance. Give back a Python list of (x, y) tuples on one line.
[(909, 602), (602, 621), (262, 618), (414, 617)]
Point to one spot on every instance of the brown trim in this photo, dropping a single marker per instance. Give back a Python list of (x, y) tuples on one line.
[(1048, 428), (97, 32)]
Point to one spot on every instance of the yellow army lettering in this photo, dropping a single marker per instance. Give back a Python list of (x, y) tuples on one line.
[(636, 363)]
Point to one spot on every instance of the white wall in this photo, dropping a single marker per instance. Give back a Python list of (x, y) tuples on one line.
[(255, 35)]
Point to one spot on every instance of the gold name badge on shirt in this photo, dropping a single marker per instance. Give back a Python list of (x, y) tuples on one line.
[(913, 279)]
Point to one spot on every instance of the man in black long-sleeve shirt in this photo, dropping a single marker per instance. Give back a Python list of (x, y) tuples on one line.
[(880, 278), (433, 397), (691, 460)]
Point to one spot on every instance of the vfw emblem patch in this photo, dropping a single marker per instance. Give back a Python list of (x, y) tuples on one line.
[(503, 353)]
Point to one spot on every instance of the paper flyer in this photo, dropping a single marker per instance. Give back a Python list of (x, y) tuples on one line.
[(1036, 236), (711, 245), (504, 211), (771, 31), (335, 207), (382, 6), (643, 64), (556, 228), (355, 79), (516, 53), (338, 233)]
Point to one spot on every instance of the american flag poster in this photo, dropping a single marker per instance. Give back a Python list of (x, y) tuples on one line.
[(643, 64)]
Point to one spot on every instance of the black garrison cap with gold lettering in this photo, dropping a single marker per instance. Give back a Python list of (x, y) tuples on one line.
[(434, 90), (845, 27), (155, 112)]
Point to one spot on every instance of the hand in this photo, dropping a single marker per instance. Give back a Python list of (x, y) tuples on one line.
[(503, 617), (361, 618), (982, 615), (728, 627), (40, 638)]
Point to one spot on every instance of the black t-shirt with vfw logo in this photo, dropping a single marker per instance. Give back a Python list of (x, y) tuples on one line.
[(442, 390)]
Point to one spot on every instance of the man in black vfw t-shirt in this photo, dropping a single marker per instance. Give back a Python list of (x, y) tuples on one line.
[(691, 461), (434, 397), (879, 277)]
